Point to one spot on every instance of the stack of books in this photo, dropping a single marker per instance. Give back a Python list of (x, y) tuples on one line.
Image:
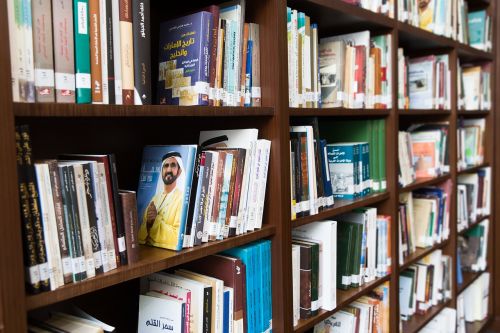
[(473, 197), (424, 82), (228, 292), (470, 142), (424, 218), (425, 284), (472, 303), (368, 313), (474, 87), (76, 223), (473, 248), (423, 152), (445, 321)]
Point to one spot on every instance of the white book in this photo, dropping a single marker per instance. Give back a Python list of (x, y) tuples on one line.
[(340, 322), (49, 225), (104, 51), (265, 147), (29, 63), (421, 77), (106, 218), (116, 51), (324, 232), (16, 53), (160, 315), (296, 283), (208, 224)]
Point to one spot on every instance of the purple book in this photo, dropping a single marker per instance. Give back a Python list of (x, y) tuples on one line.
[(184, 60)]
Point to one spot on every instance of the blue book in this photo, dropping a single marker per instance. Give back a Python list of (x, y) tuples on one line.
[(226, 309), (342, 160), (248, 75), (477, 27), (163, 194), (268, 284), (365, 155), (183, 77)]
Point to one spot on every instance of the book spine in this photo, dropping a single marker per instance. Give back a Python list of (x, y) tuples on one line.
[(29, 245), (255, 86), (207, 309), (16, 54), (108, 238), (240, 167), (55, 182), (203, 84), (84, 265), (222, 228), (82, 54), (127, 52), (218, 182), (262, 179), (129, 204), (64, 63), (305, 282), (120, 228), (244, 65), (115, 13), (28, 89), (219, 71), (214, 42), (110, 52), (203, 199), (34, 205), (43, 51), (193, 201), (104, 50), (95, 51), (142, 51)]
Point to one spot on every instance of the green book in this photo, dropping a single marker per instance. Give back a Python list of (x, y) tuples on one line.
[(344, 233), (381, 154), (355, 258), (82, 51)]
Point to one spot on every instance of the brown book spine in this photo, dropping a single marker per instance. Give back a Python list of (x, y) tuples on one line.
[(43, 51), (230, 197), (237, 192), (30, 258), (35, 208), (55, 183), (217, 194), (95, 51), (305, 281), (129, 206), (127, 51)]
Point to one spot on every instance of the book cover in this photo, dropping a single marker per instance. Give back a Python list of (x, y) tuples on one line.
[(163, 194), (95, 51), (160, 315), (142, 51), (184, 60), (82, 53)]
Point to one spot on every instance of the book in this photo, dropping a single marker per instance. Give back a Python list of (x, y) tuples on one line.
[(83, 79), (163, 194), (142, 49), (157, 314), (129, 206), (126, 51)]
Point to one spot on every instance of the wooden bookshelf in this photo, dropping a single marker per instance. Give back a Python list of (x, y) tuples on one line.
[(344, 297), (473, 169), (468, 279), (473, 224), (125, 130)]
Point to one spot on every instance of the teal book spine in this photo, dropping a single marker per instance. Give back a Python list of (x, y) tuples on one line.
[(82, 52)]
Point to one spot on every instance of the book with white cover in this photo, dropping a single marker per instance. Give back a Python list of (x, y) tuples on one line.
[(340, 322), (421, 79), (296, 283), (324, 232), (160, 315)]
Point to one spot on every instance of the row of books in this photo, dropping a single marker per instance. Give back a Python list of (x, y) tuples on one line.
[(75, 222), (367, 314), (445, 321), (473, 249), (424, 82), (474, 87), (423, 152), (218, 65), (473, 197), (451, 19), (355, 249), (470, 142), (425, 284), (472, 303), (84, 51), (190, 194), (385, 7), (228, 292), (424, 218), (322, 172)]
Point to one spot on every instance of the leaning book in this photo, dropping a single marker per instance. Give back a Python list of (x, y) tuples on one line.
[(163, 194)]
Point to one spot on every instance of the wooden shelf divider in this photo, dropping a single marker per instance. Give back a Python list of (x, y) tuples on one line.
[(424, 182), (421, 253), (417, 322)]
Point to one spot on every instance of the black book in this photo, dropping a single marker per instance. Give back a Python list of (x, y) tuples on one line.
[(203, 201), (120, 227), (110, 53), (207, 310), (196, 187), (142, 51)]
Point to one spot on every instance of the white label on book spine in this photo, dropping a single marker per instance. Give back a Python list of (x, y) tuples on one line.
[(33, 274), (66, 266), (211, 93), (346, 280), (404, 16), (201, 87), (314, 305), (83, 80), (76, 265), (256, 92), (121, 244), (340, 95), (82, 18), (355, 279), (90, 265), (233, 221), (44, 77), (65, 81), (44, 271), (98, 259)]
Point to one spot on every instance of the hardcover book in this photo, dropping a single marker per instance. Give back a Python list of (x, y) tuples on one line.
[(184, 59), (142, 51), (82, 54), (163, 194)]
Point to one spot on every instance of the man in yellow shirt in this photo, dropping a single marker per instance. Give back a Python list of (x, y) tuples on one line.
[(161, 220), (426, 14)]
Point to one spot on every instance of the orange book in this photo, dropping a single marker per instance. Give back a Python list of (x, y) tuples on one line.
[(375, 52), (424, 157), (95, 51)]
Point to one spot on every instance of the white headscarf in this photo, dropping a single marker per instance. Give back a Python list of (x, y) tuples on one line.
[(180, 181)]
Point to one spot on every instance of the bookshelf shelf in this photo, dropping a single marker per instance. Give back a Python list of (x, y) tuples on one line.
[(90, 110), (342, 206), (420, 253), (151, 260), (477, 326), (425, 182), (344, 297), (478, 220), (338, 112), (418, 321), (422, 112), (468, 279), (474, 114), (473, 169)]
